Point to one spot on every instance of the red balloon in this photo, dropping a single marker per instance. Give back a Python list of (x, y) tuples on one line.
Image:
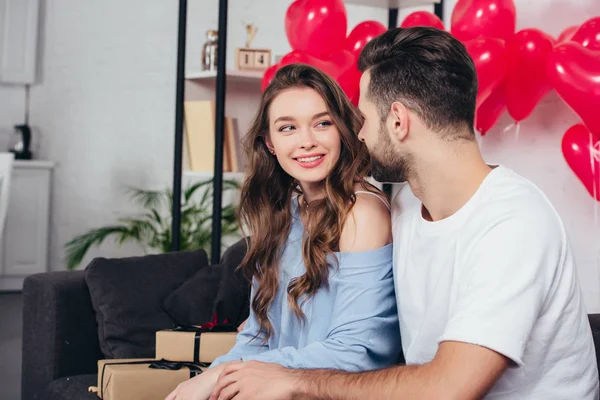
[(268, 76), (574, 73), (342, 60), (299, 57), (526, 81), (490, 58), (490, 110), (317, 27), (362, 34), (490, 18), (349, 81), (588, 34), (567, 34), (581, 150), (422, 18)]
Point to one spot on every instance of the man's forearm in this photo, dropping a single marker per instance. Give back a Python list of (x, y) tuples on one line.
[(409, 382)]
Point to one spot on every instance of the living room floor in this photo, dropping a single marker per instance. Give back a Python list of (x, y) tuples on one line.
[(11, 305)]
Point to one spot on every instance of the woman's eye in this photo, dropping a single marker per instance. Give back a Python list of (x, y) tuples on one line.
[(324, 124), (286, 128)]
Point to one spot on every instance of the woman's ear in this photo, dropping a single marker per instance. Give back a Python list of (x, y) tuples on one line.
[(269, 145)]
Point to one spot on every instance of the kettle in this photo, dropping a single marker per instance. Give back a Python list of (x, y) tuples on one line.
[(21, 143)]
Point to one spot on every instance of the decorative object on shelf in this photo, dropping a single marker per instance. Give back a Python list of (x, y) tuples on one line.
[(152, 229), (21, 142), (209, 51), (199, 119), (250, 59)]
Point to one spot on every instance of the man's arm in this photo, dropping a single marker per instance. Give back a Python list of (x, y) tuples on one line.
[(458, 371)]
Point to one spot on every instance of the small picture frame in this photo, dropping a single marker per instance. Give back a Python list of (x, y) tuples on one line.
[(248, 59)]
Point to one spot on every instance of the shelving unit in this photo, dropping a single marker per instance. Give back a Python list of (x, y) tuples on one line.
[(392, 3), (214, 84), (232, 75)]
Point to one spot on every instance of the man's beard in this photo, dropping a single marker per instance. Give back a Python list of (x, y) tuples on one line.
[(386, 165)]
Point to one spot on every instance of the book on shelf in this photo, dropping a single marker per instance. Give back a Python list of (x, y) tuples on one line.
[(199, 122)]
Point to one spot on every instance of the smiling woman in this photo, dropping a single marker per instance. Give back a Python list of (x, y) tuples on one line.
[(322, 294)]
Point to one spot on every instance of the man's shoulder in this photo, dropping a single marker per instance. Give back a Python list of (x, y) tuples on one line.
[(510, 196)]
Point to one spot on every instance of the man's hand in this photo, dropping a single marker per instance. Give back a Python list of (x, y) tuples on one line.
[(255, 380)]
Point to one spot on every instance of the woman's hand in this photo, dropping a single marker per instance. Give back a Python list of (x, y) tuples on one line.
[(199, 387)]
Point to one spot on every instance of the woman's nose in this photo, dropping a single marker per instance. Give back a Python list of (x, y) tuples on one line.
[(308, 140)]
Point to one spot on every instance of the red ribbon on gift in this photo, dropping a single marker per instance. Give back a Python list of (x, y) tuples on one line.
[(212, 326)]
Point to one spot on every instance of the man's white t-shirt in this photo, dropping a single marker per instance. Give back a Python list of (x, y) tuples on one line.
[(498, 273)]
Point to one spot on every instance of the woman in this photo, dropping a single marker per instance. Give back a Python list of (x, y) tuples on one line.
[(320, 254)]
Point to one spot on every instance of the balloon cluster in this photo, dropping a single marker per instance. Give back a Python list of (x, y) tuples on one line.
[(316, 31), (515, 70)]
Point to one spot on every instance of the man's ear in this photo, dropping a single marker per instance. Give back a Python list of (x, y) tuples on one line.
[(398, 121)]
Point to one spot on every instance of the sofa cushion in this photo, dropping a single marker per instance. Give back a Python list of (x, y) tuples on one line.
[(595, 326), (218, 290), (72, 388), (192, 303), (233, 298), (127, 296)]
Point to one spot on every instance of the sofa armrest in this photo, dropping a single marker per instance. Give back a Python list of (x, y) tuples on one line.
[(60, 336)]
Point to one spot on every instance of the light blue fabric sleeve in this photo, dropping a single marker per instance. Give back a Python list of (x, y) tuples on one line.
[(363, 329), (245, 344)]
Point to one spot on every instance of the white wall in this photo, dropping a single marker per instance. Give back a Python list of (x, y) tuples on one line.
[(12, 111), (105, 108)]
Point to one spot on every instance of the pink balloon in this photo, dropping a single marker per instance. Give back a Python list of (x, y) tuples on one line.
[(573, 72), (588, 34), (526, 80), (567, 34), (579, 147), (299, 57), (491, 63), (349, 81), (268, 76), (422, 18), (362, 34), (489, 18), (490, 111), (342, 60), (316, 27)]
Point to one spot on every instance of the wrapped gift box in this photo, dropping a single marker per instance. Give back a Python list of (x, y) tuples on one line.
[(193, 346), (142, 379)]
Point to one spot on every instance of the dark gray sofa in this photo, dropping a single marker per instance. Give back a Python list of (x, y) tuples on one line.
[(61, 338)]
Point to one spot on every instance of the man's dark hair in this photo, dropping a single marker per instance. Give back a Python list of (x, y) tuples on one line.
[(427, 70)]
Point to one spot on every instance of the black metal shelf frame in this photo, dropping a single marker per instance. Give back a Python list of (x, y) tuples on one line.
[(215, 254)]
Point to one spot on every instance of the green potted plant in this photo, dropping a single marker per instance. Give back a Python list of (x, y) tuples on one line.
[(152, 229)]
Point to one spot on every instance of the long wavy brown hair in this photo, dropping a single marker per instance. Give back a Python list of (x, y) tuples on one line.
[(266, 196)]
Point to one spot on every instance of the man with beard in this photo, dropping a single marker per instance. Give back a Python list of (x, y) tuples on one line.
[(488, 298)]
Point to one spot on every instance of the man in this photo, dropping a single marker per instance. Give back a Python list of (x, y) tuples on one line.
[(488, 297)]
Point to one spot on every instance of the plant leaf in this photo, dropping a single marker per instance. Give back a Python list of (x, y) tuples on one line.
[(77, 248)]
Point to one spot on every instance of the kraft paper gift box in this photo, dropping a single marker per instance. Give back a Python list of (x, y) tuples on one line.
[(128, 379), (193, 345)]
